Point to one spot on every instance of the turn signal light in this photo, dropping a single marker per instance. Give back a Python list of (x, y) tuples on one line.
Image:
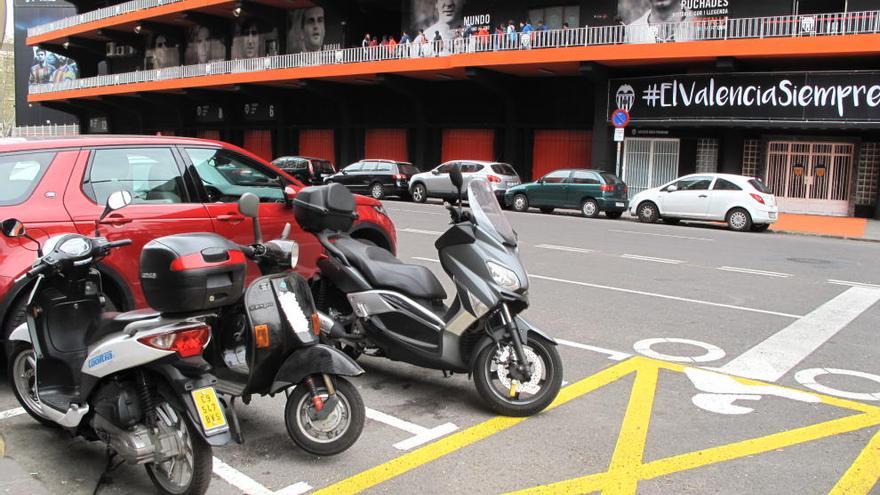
[(186, 342), (316, 324), (494, 179), (757, 197)]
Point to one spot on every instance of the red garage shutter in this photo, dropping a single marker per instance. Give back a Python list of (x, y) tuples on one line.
[(259, 142), (213, 134), (317, 143), (468, 144), (387, 144), (555, 149)]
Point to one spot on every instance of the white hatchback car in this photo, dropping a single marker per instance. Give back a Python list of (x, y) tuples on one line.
[(745, 203)]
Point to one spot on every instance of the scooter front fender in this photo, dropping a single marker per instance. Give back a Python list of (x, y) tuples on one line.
[(20, 334), (525, 328), (313, 360)]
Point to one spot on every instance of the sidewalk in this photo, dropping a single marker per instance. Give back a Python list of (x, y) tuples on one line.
[(850, 228), (13, 479)]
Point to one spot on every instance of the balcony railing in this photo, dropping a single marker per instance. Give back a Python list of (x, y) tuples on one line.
[(97, 15), (692, 30)]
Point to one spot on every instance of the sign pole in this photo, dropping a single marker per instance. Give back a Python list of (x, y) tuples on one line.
[(617, 172)]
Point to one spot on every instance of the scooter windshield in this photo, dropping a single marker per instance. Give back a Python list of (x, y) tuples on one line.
[(487, 212)]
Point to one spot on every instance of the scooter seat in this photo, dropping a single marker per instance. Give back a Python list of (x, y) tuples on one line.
[(384, 271), (112, 322)]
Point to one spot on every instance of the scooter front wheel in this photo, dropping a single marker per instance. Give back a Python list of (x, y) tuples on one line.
[(330, 433), (510, 397), (22, 373)]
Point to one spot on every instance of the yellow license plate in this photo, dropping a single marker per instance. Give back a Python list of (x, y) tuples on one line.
[(210, 410)]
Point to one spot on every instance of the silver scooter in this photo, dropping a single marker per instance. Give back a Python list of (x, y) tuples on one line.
[(134, 381), (373, 303)]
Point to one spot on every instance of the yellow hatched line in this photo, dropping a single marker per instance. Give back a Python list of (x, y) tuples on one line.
[(630, 447), (452, 443), (864, 473)]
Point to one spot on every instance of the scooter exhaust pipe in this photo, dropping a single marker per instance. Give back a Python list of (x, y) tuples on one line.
[(333, 328)]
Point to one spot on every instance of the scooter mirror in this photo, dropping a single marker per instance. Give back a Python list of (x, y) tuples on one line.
[(119, 199), (13, 228), (456, 178), (249, 205)]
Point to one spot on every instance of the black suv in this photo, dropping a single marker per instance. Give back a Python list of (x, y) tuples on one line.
[(309, 171), (378, 178)]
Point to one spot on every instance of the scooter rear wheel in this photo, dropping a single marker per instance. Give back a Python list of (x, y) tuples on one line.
[(331, 435), (190, 472), (22, 373), (494, 384)]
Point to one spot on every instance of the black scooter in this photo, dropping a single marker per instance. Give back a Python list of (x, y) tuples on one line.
[(377, 305), (269, 343)]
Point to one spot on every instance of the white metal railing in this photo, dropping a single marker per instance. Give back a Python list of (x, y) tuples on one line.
[(45, 130), (96, 15), (692, 30)]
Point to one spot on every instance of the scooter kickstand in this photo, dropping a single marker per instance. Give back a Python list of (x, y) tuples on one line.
[(236, 427)]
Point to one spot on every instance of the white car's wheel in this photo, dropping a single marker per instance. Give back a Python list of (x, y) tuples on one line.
[(739, 220)]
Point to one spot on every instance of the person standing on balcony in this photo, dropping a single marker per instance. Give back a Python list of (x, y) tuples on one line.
[(511, 34), (365, 43), (438, 43), (418, 42), (526, 31)]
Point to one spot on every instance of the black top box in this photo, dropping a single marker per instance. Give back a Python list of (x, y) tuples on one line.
[(320, 208)]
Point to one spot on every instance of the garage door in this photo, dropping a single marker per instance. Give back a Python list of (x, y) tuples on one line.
[(208, 134), (259, 142), (387, 144), (555, 149), (468, 144), (317, 143)]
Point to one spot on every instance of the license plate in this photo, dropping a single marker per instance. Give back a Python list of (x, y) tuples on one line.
[(210, 410), (620, 205)]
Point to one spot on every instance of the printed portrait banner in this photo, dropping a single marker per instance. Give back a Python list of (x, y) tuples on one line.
[(794, 96)]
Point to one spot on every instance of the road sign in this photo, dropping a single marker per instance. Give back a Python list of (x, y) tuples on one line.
[(618, 135), (620, 118)]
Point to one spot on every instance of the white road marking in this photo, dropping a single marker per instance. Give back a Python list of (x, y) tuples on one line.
[(664, 296), (565, 248), (612, 355), (853, 284), (662, 235), (713, 353), (807, 378), (295, 489), (18, 411), (652, 259), (750, 271), (420, 231), (421, 434), (721, 391), (414, 211), (238, 479), (771, 359)]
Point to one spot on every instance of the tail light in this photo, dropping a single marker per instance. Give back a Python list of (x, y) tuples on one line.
[(757, 198), (606, 188), (186, 342), (494, 179), (399, 177), (316, 324)]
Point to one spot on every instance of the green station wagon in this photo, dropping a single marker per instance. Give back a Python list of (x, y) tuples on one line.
[(590, 191)]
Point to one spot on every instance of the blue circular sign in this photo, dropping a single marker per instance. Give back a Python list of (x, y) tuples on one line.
[(620, 118)]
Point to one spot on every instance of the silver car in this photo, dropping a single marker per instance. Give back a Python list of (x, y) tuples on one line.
[(436, 183)]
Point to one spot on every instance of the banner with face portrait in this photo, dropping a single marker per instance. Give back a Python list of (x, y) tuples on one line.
[(203, 46), (436, 16), (254, 38), (641, 12), (161, 51)]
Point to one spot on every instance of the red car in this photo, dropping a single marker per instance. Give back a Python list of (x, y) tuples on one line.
[(178, 184)]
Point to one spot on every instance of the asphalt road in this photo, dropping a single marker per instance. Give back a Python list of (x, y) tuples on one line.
[(636, 308)]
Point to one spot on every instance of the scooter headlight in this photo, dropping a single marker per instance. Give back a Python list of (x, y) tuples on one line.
[(503, 276)]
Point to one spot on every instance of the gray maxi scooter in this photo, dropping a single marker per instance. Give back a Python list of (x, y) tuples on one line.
[(372, 303)]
